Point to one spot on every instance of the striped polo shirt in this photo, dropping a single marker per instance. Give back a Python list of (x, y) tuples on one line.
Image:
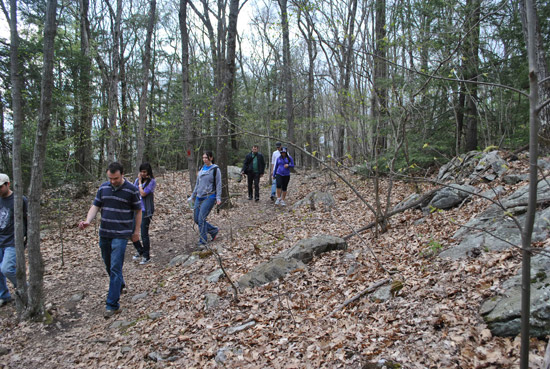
[(117, 209)]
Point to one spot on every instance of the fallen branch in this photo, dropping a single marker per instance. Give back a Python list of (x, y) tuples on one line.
[(358, 296), (392, 213)]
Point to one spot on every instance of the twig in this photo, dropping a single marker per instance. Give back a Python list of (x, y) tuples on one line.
[(358, 296)]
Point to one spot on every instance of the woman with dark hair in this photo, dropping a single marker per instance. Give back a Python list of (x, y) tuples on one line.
[(146, 184), (282, 175), (207, 192)]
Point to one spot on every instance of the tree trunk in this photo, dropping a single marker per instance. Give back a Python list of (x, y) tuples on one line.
[(83, 131), (187, 117), (21, 297), (380, 95), (471, 57), (287, 75), (35, 309), (113, 85), (145, 85)]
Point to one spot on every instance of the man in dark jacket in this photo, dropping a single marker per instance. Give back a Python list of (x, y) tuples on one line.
[(254, 168)]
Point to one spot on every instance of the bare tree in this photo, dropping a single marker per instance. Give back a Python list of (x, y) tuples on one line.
[(287, 74), (145, 84), (187, 117)]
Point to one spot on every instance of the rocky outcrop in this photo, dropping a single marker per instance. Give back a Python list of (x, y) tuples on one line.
[(502, 313), (494, 230), (292, 259), (449, 197), (473, 166)]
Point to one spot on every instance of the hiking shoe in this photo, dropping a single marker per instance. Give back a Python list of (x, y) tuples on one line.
[(5, 301), (278, 201), (215, 234), (250, 197), (136, 257), (109, 313), (145, 261), (282, 203), (256, 200), (272, 198), (123, 289)]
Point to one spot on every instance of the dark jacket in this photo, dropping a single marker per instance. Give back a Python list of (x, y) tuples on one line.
[(248, 166)]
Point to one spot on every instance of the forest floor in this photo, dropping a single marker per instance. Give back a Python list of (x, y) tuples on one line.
[(432, 322)]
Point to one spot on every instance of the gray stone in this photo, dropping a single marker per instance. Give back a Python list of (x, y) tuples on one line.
[(451, 196), (513, 179), (459, 167), (125, 349), (139, 296), (305, 250), (381, 294), (503, 313), (270, 271), (215, 276), (211, 300), (494, 230), (489, 166), (77, 297), (121, 324), (291, 259), (317, 200), (492, 193), (154, 315), (233, 172), (241, 327)]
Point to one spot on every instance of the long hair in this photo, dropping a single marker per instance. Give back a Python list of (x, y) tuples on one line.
[(147, 167)]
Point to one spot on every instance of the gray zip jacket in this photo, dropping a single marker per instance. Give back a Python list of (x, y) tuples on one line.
[(205, 183)]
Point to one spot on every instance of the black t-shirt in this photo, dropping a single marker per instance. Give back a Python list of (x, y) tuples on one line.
[(7, 224)]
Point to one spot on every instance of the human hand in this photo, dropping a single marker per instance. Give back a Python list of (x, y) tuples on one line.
[(83, 224), (218, 202), (286, 165), (135, 237)]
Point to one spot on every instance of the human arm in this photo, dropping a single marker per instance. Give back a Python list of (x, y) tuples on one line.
[(148, 188), (290, 162), (91, 215), (218, 186)]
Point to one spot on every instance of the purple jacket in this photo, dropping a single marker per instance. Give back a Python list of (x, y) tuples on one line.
[(280, 165)]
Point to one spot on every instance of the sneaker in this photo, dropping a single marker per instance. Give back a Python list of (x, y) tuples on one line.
[(123, 289), (278, 201), (215, 234), (5, 301), (272, 198), (256, 200), (250, 197), (109, 313), (145, 261), (282, 203), (136, 257)]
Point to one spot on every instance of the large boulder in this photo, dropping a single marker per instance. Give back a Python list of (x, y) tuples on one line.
[(494, 230), (233, 172), (291, 260), (317, 200), (473, 166), (449, 197), (502, 313)]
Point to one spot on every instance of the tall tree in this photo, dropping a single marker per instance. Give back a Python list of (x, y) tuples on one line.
[(380, 87), (83, 126), (471, 72), (287, 75), (143, 101), (113, 78), (187, 114)]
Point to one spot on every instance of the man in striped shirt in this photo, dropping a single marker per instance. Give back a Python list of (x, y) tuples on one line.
[(120, 207)]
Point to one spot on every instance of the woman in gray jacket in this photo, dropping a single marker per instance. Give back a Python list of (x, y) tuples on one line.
[(207, 192)]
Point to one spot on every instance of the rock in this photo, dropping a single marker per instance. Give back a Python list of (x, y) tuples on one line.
[(291, 259), (493, 193), (215, 276), (77, 297), (154, 315), (449, 197), (270, 271), (305, 250), (495, 221), (503, 313), (211, 300), (241, 327), (121, 324), (381, 294), (139, 296), (233, 172), (459, 167), (186, 260), (317, 200), (489, 166), (513, 179), (4, 351), (125, 349)]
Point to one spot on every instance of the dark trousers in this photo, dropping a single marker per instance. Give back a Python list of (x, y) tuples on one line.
[(254, 178), (145, 248)]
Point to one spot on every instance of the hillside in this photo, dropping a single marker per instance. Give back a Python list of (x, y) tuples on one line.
[(431, 322)]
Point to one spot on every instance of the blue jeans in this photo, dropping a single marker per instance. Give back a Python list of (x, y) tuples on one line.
[(273, 187), (145, 248), (200, 212), (7, 270), (112, 252)]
